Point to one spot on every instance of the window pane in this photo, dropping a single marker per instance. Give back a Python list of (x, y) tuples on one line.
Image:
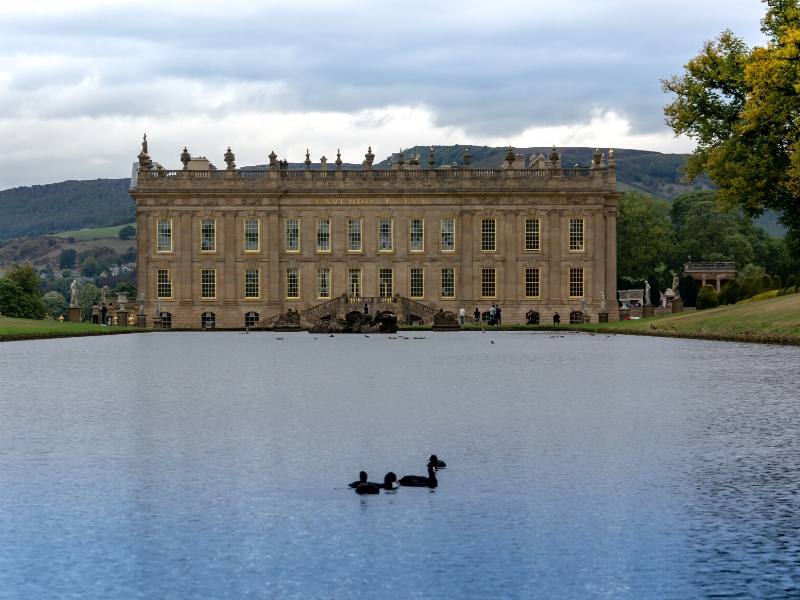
[(292, 283), (354, 235), (354, 283), (292, 235), (208, 283), (208, 236), (488, 242), (385, 283), (576, 235), (448, 235), (576, 283), (323, 283), (417, 235), (488, 288), (252, 288), (164, 284), (164, 235), (448, 283), (417, 283), (251, 237), (532, 283), (532, 229), (324, 235), (385, 235)]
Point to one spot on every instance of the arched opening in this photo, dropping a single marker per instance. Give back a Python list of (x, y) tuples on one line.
[(532, 317), (166, 320), (250, 319), (208, 320), (576, 317)]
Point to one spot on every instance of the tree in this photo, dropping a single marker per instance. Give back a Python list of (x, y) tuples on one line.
[(644, 235), (88, 294), (67, 259), (89, 267), (741, 107), (729, 294), (54, 303), (27, 280), (127, 233), (687, 287), (707, 298)]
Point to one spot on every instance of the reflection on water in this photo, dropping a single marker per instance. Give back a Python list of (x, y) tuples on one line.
[(214, 465)]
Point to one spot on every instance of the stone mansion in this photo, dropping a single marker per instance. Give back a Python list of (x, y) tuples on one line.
[(232, 247)]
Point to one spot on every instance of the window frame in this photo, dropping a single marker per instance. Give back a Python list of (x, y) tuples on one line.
[(350, 273), (441, 283), (350, 247), (202, 235), (296, 271), (582, 222), (317, 247), (442, 232), (538, 234), (158, 236), (245, 221), (286, 235), (159, 284), (582, 272), (538, 271), (411, 236), (381, 271), (485, 271), (493, 234), (203, 283), (391, 235), (411, 282), (258, 283), (330, 283)]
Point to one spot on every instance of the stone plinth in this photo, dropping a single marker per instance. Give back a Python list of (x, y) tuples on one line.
[(602, 317), (677, 305), (141, 321), (74, 314), (122, 318), (624, 314), (648, 311)]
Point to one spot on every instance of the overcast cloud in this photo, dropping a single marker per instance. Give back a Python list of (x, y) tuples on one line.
[(81, 80)]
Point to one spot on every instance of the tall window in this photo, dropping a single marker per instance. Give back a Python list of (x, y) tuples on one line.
[(448, 235), (252, 283), (324, 235), (417, 287), (576, 283), (448, 283), (354, 283), (323, 282), (385, 283), (208, 283), (488, 237), (293, 235), (417, 232), (354, 235), (163, 284), (532, 235), (252, 241), (164, 235), (292, 283), (576, 235), (488, 283), (208, 235), (532, 283), (385, 235)]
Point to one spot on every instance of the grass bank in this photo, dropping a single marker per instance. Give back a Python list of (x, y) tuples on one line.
[(97, 233), (771, 321), (31, 329)]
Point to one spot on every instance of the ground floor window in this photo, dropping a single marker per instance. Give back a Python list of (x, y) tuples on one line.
[(532, 317), (292, 283), (251, 319), (252, 283), (448, 283), (385, 283), (208, 320), (488, 283), (575, 317), (532, 289), (166, 320), (354, 283), (417, 287), (323, 283)]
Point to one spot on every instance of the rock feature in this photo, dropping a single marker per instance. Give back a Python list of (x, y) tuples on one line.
[(357, 322), (444, 320), (288, 321)]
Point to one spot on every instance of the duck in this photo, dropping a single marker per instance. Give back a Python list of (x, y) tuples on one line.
[(437, 464), (420, 480), (362, 478), (368, 487)]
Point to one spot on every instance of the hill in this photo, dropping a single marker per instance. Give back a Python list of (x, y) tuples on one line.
[(72, 205)]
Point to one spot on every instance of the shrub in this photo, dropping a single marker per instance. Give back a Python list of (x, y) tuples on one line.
[(791, 281), (67, 258), (127, 233), (707, 298), (776, 282), (688, 290), (729, 294), (766, 284)]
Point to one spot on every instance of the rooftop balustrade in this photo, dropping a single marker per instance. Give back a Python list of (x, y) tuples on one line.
[(699, 267)]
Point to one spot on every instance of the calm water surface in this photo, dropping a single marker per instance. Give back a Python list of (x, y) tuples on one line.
[(214, 465)]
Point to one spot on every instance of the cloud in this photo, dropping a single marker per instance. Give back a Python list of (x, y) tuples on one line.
[(573, 70)]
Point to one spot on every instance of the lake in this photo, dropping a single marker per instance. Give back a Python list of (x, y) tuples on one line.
[(214, 465)]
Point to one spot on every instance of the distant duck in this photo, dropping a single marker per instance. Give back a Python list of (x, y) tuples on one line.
[(491, 341), (368, 487), (419, 480), (390, 481), (362, 478), (436, 463)]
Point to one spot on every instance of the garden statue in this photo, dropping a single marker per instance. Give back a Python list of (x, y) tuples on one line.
[(73, 293), (603, 304), (584, 307), (646, 293)]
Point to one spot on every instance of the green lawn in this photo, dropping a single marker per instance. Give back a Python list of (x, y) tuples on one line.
[(24, 329), (94, 234)]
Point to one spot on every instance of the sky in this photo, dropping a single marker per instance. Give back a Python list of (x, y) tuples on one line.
[(82, 80)]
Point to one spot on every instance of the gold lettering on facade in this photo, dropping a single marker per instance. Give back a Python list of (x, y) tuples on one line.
[(366, 201)]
